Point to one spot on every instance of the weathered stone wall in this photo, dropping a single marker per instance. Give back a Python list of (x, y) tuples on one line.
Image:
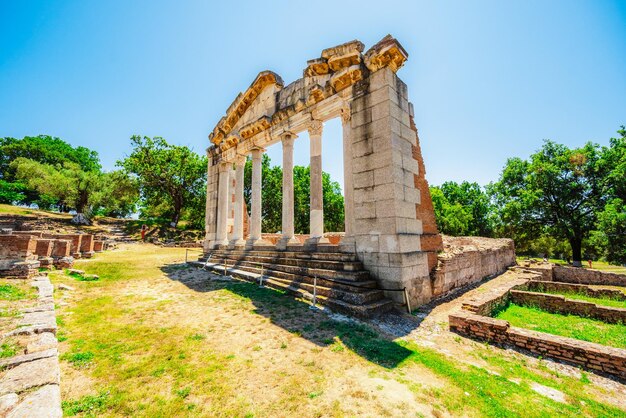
[(17, 247), (467, 260), (585, 276), (589, 355), (386, 228), (560, 304)]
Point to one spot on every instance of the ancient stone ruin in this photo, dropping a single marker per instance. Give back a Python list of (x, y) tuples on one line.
[(22, 253), (391, 239)]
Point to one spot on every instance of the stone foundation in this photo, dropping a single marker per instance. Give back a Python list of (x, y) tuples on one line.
[(584, 276), (561, 305), (473, 321), (467, 260), (589, 355)]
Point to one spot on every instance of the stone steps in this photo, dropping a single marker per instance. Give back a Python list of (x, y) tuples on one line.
[(278, 265), (291, 261), (301, 255), (342, 284)]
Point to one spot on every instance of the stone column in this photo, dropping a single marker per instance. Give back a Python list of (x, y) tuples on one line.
[(256, 210), (222, 204), (347, 243), (288, 237), (237, 238), (317, 198)]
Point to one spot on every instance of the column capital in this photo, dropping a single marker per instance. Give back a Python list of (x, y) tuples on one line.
[(224, 166), (315, 127), (257, 153), (287, 138), (240, 160), (346, 115)]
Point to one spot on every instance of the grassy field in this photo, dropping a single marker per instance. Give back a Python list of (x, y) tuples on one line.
[(597, 265), (616, 303), (565, 325), (19, 210), (153, 338)]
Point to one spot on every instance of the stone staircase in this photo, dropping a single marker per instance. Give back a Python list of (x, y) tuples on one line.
[(343, 285)]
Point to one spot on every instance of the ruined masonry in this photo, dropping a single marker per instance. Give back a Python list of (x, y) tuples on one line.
[(391, 239)]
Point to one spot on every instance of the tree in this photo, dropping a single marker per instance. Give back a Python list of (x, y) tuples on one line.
[(119, 194), (68, 185), (558, 190), (463, 209), (272, 197), (170, 177)]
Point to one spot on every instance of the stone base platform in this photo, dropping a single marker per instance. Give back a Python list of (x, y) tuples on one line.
[(342, 284)]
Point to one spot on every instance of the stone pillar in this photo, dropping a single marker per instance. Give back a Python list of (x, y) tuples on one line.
[(387, 203), (288, 237), (237, 238), (317, 196), (222, 204), (256, 210), (347, 243), (210, 218)]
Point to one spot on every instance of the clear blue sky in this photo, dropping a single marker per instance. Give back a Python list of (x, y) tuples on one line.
[(489, 79)]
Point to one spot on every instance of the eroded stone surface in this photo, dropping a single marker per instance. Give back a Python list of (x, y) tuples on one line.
[(25, 358), (7, 402), (29, 375), (45, 402), (42, 342)]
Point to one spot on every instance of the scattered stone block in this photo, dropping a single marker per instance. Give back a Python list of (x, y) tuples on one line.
[(76, 271)]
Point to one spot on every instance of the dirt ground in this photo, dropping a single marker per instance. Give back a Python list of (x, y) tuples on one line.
[(261, 353)]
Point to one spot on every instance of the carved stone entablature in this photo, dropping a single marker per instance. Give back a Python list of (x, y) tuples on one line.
[(316, 94), (338, 75), (386, 53), (242, 103), (254, 128), (231, 141), (346, 77), (317, 66), (344, 55)]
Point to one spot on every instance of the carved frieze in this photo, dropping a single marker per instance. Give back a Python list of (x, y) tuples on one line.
[(346, 77), (386, 53), (254, 128), (317, 66), (344, 55)]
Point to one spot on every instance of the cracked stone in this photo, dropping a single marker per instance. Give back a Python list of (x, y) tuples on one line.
[(43, 403), (29, 375), (42, 342), (7, 402), (25, 358)]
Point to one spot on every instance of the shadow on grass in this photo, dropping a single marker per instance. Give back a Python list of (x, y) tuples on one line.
[(296, 317)]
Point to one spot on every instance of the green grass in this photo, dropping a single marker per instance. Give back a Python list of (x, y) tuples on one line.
[(11, 292), (571, 326), (606, 301), (137, 367), (8, 349)]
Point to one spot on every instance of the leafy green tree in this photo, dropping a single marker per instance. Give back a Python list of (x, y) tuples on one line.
[(271, 194), (44, 149), (612, 226), (68, 185), (463, 209), (170, 177), (452, 218), (119, 194), (557, 190), (11, 192)]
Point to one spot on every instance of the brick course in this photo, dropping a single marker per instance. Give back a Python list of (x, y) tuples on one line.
[(592, 356)]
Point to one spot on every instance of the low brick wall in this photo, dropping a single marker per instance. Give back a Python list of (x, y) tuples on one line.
[(589, 355), (562, 305), (75, 239), (544, 286), (468, 260), (17, 255), (44, 247), (583, 276)]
